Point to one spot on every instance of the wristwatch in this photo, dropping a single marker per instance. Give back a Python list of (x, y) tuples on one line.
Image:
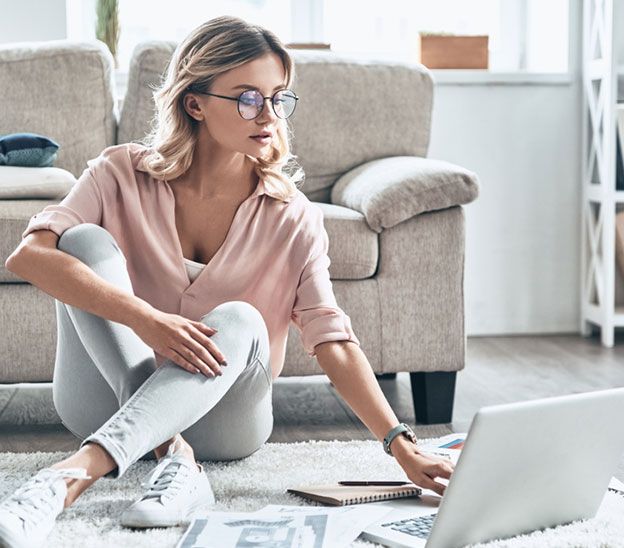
[(403, 429)]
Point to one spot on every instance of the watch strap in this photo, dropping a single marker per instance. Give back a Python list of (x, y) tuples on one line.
[(394, 432)]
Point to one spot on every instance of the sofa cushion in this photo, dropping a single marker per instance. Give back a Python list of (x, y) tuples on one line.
[(27, 150), (24, 183), (389, 191), (334, 89), (353, 246), (62, 89)]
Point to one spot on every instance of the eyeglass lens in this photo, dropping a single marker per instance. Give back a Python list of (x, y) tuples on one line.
[(250, 103)]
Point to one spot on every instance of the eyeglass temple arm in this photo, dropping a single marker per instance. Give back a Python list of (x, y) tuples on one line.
[(222, 96), (296, 97)]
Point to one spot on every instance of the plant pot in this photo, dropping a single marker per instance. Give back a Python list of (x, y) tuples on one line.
[(454, 52), (308, 45)]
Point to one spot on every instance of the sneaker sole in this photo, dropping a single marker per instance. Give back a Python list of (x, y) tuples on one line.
[(9, 540), (144, 522)]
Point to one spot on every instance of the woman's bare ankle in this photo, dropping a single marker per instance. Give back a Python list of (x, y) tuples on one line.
[(182, 447), (95, 460)]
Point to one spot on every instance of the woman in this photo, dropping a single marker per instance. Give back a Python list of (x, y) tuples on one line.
[(177, 266)]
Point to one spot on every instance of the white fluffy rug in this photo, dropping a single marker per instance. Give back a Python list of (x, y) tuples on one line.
[(261, 479)]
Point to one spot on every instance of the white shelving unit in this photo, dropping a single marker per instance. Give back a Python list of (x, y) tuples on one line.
[(600, 198)]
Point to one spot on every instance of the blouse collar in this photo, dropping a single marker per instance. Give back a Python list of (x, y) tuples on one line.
[(261, 187)]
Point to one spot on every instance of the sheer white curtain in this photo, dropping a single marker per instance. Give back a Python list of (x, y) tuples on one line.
[(525, 35)]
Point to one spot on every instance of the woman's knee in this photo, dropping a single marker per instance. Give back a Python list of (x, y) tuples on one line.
[(89, 242), (236, 312), (243, 319), (235, 445), (238, 309)]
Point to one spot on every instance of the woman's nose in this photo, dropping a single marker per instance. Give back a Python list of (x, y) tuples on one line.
[(267, 111)]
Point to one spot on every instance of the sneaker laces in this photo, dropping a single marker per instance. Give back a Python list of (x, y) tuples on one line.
[(37, 494), (165, 480)]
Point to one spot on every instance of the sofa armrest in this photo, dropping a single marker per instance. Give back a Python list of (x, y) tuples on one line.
[(391, 190)]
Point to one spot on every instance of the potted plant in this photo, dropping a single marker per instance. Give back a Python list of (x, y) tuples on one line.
[(447, 50), (107, 26)]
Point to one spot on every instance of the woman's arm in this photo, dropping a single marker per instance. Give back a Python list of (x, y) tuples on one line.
[(349, 370), (66, 278), (187, 343)]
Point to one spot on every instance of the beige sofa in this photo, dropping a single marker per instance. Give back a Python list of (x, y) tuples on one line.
[(361, 133)]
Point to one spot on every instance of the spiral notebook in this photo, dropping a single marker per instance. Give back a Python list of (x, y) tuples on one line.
[(339, 495)]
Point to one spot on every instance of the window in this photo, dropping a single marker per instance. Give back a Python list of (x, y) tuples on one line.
[(142, 20), (525, 35)]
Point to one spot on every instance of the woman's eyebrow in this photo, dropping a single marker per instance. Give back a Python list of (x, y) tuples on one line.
[(249, 86)]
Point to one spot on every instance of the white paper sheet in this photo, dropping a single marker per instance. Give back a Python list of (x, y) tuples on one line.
[(345, 523), (250, 529), (438, 450), (278, 526)]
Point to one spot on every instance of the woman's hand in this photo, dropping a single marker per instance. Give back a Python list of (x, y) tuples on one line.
[(185, 342), (422, 469)]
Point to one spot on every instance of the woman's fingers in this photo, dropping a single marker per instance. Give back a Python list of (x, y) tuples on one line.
[(441, 469), (426, 481), (198, 355), (429, 483), (179, 360), (189, 346), (201, 335), (429, 472), (209, 331)]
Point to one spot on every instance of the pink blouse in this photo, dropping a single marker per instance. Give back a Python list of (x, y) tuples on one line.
[(274, 255)]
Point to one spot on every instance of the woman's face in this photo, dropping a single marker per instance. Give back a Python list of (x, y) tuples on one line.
[(220, 117)]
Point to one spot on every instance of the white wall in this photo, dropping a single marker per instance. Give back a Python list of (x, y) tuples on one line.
[(523, 232), (25, 20)]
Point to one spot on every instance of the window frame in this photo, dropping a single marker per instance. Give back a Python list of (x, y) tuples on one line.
[(307, 26)]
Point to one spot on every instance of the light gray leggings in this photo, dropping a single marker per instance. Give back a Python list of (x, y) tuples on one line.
[(108, 389)]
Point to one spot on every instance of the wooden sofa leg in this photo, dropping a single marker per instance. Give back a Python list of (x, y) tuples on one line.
[(385, 376), (433, 394)]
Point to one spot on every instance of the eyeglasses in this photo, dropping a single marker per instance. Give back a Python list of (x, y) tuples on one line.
[(251, 102)]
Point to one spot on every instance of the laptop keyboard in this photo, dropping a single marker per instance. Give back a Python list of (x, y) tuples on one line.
[(417, 527)]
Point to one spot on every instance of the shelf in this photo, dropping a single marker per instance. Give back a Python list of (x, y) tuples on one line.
[(598, 242), (594, 315), (488, 77), (597, 194), (618, 318)]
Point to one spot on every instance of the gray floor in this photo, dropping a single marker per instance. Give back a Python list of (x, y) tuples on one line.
[(498, 370)]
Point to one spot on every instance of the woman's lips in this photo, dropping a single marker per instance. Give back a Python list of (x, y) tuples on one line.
[(262, 140)]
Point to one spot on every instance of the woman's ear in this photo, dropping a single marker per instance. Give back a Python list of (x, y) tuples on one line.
[(192, 107)]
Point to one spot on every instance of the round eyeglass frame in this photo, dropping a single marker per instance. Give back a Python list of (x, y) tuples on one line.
[(238, 101)]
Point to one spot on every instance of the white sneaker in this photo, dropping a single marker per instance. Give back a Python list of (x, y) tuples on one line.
[(178, 489), (28, 515)]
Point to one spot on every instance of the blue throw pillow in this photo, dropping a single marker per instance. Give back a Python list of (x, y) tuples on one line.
[(27, 150)]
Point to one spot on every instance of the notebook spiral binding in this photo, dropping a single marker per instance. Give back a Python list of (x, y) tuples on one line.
[(383, 496)]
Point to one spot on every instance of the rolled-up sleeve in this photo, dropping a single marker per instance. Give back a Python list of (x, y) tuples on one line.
[(316, 313), (83, 204)]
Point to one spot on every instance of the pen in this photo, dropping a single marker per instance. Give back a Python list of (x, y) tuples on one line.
[(374, 482)]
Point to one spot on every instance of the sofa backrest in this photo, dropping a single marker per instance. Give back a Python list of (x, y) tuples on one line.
[(350, 112), (61, 89)]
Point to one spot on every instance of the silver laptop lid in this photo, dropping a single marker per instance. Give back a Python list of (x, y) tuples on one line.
[(531, 465)]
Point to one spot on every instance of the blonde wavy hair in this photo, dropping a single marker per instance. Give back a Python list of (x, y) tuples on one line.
[(216, 46)]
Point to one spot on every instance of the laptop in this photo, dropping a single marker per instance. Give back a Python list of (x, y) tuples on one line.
[(524, 466)]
